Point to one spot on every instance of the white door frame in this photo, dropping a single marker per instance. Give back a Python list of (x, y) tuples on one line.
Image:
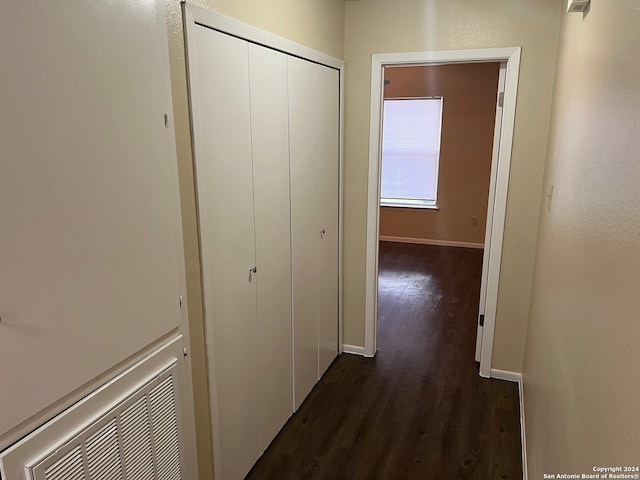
[(510, 55), (497, 131)]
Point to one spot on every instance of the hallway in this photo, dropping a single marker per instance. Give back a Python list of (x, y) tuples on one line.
[(419, 409)]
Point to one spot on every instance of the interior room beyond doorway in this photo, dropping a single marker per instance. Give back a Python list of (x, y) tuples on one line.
[(468, 93)]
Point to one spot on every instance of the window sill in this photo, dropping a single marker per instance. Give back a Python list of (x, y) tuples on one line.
[(420, 207)]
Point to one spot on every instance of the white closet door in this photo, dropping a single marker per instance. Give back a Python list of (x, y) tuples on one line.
[(220, 80), (304, 225), (270, 145), (327, 96)]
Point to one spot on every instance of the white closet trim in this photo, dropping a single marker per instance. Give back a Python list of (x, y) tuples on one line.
[(217, 21)]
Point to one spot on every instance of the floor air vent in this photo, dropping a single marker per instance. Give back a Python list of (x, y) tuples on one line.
[(135, 440)]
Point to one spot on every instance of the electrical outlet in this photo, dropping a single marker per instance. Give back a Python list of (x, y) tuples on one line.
[(474, 221)]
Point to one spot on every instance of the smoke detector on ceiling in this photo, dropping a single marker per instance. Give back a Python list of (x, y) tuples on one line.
[(578, 5)]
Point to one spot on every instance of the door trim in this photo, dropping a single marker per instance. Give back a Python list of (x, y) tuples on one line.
[(490, 206), (510, 55)]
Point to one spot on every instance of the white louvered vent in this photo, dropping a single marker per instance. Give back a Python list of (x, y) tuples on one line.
[(137, 439), (69, 467), (165, 431), (103, 453)]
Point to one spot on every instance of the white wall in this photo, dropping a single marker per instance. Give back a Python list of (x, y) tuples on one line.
[(583, 343)]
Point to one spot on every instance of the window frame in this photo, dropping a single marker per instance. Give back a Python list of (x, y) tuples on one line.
[(406, 202)]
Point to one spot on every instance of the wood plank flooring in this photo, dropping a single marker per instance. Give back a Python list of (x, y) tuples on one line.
[(419, 409)]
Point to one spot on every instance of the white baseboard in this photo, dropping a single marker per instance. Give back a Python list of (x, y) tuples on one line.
[(516, 377), (506, 375), (353, 349), (427, 241), (522, 430)]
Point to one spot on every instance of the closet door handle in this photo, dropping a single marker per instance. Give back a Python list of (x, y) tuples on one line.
[(251, 272), (322, 232)]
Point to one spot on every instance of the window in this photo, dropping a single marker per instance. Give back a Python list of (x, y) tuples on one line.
[(411, 130)]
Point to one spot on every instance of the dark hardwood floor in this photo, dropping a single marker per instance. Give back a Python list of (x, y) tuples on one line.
[(419, 409)]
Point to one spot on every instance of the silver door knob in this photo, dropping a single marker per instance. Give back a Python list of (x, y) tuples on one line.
[(322, 232), (253, 270)]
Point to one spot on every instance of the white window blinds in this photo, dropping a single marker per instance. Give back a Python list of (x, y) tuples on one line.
[(411, 130)]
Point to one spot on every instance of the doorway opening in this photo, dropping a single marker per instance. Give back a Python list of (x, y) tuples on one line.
[(495, 201)]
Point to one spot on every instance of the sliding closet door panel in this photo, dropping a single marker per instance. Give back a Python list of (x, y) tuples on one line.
[(304, 225), (225, 199), (270, 145), (328, 107)]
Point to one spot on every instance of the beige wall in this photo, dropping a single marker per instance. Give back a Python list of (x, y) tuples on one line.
[(379, 26), (468, 119), (583, 343), (316, 24)]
